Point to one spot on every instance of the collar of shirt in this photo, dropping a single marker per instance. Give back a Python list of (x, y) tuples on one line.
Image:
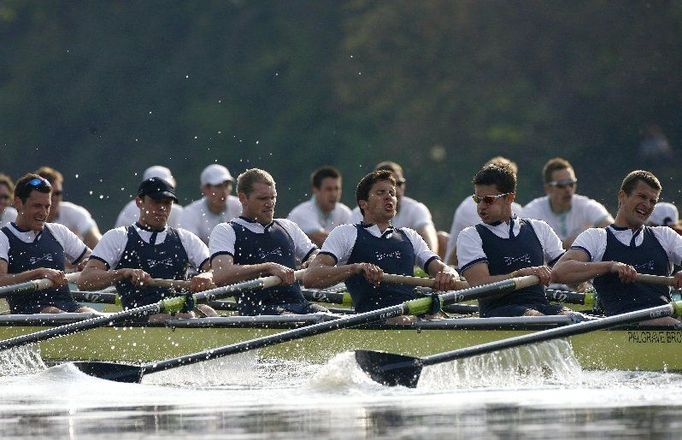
[(505, 229), (252, 225), (25, 236), (628, 236), (325, 218), (375, 231), (147, 234)]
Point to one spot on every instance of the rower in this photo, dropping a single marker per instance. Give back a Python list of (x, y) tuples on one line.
[(216, 206), (32, 249), (565, 211), (613, 255), (7, 212), (130, 212), (359, 254), (466, 213), (409, 212), (256, 244), (505, 246), (324, 211), (73, 216), (129, 256), (665, 214)]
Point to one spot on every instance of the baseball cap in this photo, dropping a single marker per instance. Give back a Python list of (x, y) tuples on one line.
[(157, 189), (161, 172), (664, 214), (215, 174)]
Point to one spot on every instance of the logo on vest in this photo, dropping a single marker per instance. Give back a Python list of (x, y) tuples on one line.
[(168, 262), (648, 266), (277, 252), (525, 258), (44, 258), (394, 255)]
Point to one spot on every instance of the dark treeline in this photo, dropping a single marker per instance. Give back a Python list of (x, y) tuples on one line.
[(101, 90)]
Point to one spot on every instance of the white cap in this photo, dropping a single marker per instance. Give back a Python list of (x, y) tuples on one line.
[(215, 175), (664, 214), (161, 172)]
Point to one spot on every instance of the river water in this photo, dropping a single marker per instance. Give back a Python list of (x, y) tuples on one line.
[(526, 393)]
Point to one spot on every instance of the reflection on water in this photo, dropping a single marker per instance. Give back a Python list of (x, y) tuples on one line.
[(522, 394)]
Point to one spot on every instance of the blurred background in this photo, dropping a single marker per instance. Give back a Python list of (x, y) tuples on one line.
[(101, 90)]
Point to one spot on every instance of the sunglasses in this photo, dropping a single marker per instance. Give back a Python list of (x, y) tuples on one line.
[(489, 200), (567, 183), (39, 182)]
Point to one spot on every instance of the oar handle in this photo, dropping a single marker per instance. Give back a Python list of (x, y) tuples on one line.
[(45, 283), (169, 284), (655, 279), (417, 281)]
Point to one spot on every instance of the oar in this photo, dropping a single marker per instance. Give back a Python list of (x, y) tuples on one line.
[(418, 281), (34, 285), (168, 305), (396, 369), (655, 279), (570, 297), (134, 373)]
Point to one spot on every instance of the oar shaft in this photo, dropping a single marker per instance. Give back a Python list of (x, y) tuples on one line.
[(416, 281), (169, 284), (559, 332), (34, 285), (655, 279)]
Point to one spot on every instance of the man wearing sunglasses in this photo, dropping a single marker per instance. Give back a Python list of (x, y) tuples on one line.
[(32, 249), (614, 255), (565, 211), (73, 216), (409, 212), (504, 246), (216, 206)]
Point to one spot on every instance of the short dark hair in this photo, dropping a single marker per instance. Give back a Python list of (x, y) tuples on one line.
[(248, 178), (367, 182), (7, 181), (503, 161), (31, 182), (50, 174), (554, 164), (322, 173), (390, 166), (502, 177), (633, 177)]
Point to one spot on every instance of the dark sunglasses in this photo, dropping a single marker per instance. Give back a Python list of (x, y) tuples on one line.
[(39, 182), (567, 183), (400, 182), (489, 200)]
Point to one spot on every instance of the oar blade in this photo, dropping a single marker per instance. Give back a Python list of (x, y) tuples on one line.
[(112, 371), (389, 368)]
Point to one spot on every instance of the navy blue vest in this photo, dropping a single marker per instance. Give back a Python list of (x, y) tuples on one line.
[(44, 251), (274, 245), (166, 260), (649, 257), (506, 255), (393, 253)]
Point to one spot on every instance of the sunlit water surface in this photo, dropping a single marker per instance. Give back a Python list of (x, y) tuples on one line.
[(543, 394)]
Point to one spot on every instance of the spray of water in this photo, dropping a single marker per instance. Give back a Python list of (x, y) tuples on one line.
[(22, 360)]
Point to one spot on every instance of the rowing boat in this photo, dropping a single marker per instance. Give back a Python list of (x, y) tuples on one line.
[(635, 348)]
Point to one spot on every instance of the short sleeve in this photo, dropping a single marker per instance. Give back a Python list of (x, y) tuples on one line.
[(339, 244), (469, 248), (111, 246), (592, 241), (222, 240)]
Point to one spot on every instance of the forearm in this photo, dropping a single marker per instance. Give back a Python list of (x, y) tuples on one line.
[(95, 278), (437, 266), (324, 276), (234, 273), (16, 278), (573, 271)]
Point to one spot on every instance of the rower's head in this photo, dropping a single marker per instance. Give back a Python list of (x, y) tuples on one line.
[(32, 199), (161, 172), (502, 161), (637, 198), (326, 183), (216, 186), (494, 192), (56, 179), (6, 191), (258, 195), (155, 198), (398, 175), (560, 183), (376, 197)]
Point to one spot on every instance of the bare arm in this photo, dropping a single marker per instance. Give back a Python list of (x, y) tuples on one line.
[(96, 276), (428, 233), (56, 276), (318, 237), (323, 272), (479, 274), (445, 276), (225, 271), (575, 267), (92, 237)]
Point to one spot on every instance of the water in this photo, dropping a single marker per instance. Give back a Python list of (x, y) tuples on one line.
[(534, 392)]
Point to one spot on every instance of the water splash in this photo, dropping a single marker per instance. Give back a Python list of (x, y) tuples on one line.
[(20, 361)]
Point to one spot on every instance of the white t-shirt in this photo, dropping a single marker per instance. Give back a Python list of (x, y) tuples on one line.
[(131, 213), (75, 217), (110, 248), (412, 214), (584, 213), (593, 241), (341, 241), (74, 248), (197, 218), (223, 237), (310, 218), (8, 215), (470, 245), (466, 215)]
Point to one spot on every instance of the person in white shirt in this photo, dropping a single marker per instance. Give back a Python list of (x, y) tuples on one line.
[(323, 212), (73, 216), (410, 213), (216, 206), (128, 256), (7, 212), (130, 212), (614, 255), (466, 214), (566, 212)]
